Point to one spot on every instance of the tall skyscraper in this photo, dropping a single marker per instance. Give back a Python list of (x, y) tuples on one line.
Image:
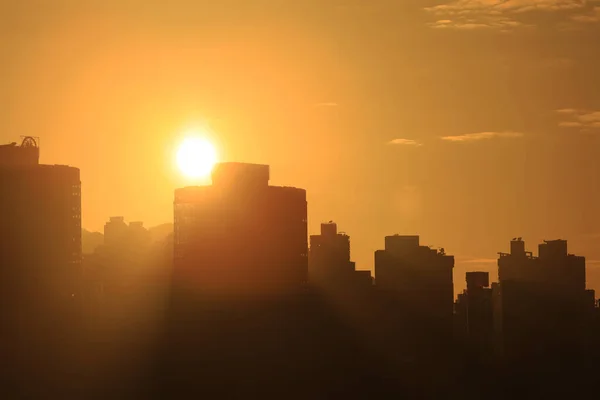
[(40, 229), (541, 300), (418, 282), (113, 270), (474, 312), (240, 235), (40, 267), (329, 261)]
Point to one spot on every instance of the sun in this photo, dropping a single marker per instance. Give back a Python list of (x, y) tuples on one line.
[(196, 157)]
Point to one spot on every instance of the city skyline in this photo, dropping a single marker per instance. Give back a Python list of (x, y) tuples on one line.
[(314, 199), (241, 291), (488, 265), (392, 120)]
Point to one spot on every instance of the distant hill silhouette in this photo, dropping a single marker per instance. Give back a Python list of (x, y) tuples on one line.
[(91, 240), (160, 232)]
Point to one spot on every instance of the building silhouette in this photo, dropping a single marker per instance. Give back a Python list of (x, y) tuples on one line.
[(116, 232), (240, 235), (40, 266), (251, 310), (40, 228), (113, 271), (329, 261), (242, 310), (474, 312), (25, 155), (540, 302), (416, 282)]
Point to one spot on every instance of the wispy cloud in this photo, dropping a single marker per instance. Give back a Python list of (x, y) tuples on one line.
[(494, 22), (503, 15), (567, 111), (592, 16), (585, 120), (570, 124), (405, 142), (470, 137)]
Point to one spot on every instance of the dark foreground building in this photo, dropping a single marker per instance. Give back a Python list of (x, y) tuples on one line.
[(329, 262), (474, 316), (540, 309), (243, 320), (416, 282), (40, 229), (240, 236), (40, 262)]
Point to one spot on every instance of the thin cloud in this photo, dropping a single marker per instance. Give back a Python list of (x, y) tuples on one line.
[(593, 16), (405, 142), (589, 118), (567, 111), (582, 119), (503, 15), (502, 24), (471, 137), (570, 124)]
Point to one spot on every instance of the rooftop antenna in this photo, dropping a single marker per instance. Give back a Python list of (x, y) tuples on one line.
[(30, 141)]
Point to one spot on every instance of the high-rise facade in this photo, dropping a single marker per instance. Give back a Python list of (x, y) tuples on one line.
[(40, 229), (420, 274), (417, 281), (474, 311), (542, 301), (113, 270), (329, 261), (240, 235)]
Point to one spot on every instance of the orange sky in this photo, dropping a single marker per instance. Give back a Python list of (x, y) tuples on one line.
[(394, 119)]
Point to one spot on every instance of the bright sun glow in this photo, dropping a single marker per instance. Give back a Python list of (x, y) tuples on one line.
[(196, 157)]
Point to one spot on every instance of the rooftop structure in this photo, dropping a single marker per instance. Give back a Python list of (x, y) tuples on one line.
[(25, 154)]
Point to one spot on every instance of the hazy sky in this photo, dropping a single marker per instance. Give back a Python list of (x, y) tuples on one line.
[(398, 116)]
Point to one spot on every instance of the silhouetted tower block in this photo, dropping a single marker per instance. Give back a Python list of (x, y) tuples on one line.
[(400, 245), (115, 232), (552, 249), (40, 265), (329, 261), (119, 234), (40, 228), (460, 316), (406, 267), (138, 232), (477, 280), (517, 247), (240, 235), (329, 229), (114, 268), (476, 302), (542, 301), (419, 282)]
